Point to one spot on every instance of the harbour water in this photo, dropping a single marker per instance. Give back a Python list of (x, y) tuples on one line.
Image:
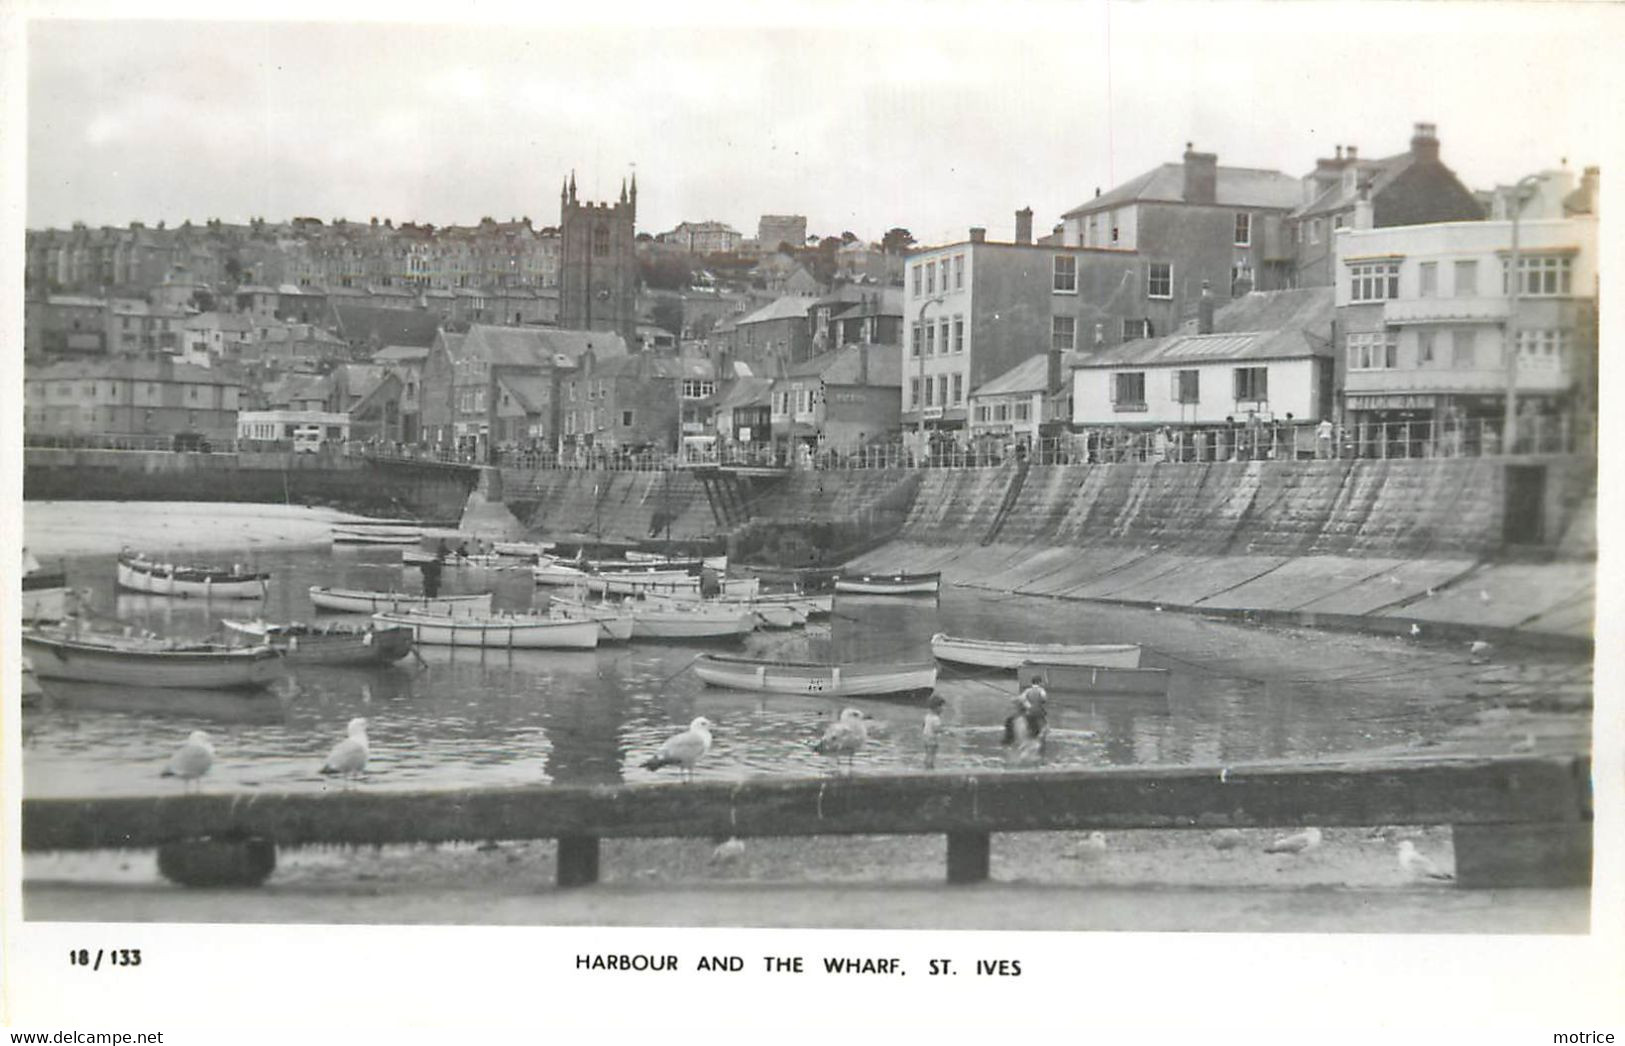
[(466, 717)]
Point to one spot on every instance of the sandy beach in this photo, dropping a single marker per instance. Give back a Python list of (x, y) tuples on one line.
[(53, 529)]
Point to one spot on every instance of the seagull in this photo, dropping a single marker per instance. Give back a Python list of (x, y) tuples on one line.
[(1483, 595), (191, 760), (1296, 843), (931, 732), (1418, 865), (1093, 843), (728, 850), (1478, 646), (349, 757), (1431, 593), (1226, 839), (845, 737), (1416, 629), (685, 749)]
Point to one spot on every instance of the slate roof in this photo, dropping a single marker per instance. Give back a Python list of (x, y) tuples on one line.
[(1308, 307), (402, 353), (1234, 187), (533, 346), (743, 392), (360, 323), (1262, 325), (1379, 173), (843, 366), (1030, 375), (786, 308), (129, 369), (531, 390)]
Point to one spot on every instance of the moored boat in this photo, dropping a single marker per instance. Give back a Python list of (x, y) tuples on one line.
[(359, 601), (1091, 679), (335, 643), (993, 653), (376, 535), (148, 661), (550, 571), (673, 620), (414, 557), (496, 632), (868, 584), (890, 679), (140, 574), (523, 549), (614, 622), (802, 579), (768, 614)]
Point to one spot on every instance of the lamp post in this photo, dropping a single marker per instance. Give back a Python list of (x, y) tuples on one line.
[(919, 396), (1509, 428)]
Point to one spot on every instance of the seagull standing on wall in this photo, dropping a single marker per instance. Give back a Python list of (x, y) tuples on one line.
[(191, 760), (349, 757), (846, 736), (1297, 843), (1419, 866), (685, 749)]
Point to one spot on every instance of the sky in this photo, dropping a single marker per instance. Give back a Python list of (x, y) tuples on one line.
[(933, 117)]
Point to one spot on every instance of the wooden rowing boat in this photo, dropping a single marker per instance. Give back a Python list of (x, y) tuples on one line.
[(140, 574), (334, 643), (1089, 679), (992, 653), (359, 601), (496, 632), (679, 620), (892, 679), (148, 661), (889, 584)]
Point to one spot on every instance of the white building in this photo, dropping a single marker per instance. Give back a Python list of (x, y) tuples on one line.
[(284, 424), (1423, 313)]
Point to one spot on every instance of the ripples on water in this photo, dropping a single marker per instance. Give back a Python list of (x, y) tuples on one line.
[(494, 717)]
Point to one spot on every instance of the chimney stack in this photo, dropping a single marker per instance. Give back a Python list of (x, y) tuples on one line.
[(1201, 176), (1204, 311), (1425, 143), (978, 234), (1364, 215), (1024, 226), (1353, 153)]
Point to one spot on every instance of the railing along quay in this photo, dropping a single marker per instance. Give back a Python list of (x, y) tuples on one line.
[(1517, 821)]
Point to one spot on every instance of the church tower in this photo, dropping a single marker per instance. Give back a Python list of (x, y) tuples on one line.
[(598, 265)]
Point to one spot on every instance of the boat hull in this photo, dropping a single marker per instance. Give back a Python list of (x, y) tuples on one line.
[(497, 633), (613, 627), (151, 577), (218, 669), (987, 653), (876, 680), (349, 646), (356, 601), (889, 584), (688, 624), (44, 604)]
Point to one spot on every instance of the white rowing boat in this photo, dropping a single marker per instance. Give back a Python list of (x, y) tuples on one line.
[(358, 601), (992, 653), (614, 622), (379, 535), (661, 619), (799, 677), (496, 632), (147, 661), (140, 574)]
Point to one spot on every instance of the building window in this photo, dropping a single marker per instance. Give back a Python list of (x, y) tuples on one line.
[(1252, 384), (930, 277), (1128, 390), (959, 389), (1542, 350), (600, 241), (1063, 331), (1374, 350), (929, 385), (1428, 281), (917, 339), (1065, 279), (1160, 280), (917, 267), (914, 392), (981, 412), (626, 419), (1187, 386), (1244, 230), (1023, 410), (1339, 221), (1544, 276), (942, 336), (1466, 279), (1133, 330), (930, 339), (1424, 348), (942, 389), (1115, 230), (1374, 281), (959, 334), (959, 272), (1464, 349)]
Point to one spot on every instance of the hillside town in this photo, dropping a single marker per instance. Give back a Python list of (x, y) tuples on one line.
[(1199, 311)]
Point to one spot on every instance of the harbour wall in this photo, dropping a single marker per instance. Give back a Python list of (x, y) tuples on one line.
[(419, 489), (1477, 547)]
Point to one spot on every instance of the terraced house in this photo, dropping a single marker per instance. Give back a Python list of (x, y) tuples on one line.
[(129, 397)]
